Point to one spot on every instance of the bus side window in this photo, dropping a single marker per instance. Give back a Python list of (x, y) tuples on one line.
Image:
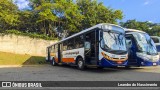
[(156, 40), (52, 49), (79, 41), (70, 44), (65, 46), (56, 48)]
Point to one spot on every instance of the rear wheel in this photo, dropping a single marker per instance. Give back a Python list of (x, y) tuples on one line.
[(81, 64), (100, 67)]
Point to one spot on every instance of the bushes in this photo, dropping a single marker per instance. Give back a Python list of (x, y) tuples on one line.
[(32, 35)]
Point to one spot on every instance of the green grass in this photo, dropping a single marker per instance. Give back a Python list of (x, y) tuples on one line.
[(18, 59)]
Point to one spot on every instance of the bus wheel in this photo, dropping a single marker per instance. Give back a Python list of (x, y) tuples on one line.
[(127, 67), (53, 62), (100, 67), (81, 64)]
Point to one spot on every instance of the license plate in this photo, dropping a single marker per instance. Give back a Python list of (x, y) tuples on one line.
[(154, 64)]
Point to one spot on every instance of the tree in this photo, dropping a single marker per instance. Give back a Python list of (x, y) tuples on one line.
[(61, 14), (54, 17), (155, 30), (9, 17), (67, 12), (28, 19), (95, 13), (43, 9), (133, 24), (150, 28)]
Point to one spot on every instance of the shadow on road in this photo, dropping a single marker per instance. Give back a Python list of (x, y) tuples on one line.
[(34, 60), (96, 70), (131, 68)]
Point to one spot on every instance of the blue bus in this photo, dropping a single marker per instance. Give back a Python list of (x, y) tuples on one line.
[(141, 49)]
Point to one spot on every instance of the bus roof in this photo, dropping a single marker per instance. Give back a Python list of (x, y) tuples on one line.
[(133, 30), (86, 30)]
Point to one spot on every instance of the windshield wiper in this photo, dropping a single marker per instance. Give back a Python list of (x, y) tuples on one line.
[(114, 37)]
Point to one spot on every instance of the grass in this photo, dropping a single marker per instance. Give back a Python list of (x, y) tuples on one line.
[(19, 59)]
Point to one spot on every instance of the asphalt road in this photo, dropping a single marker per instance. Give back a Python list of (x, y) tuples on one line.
[(68, 73)]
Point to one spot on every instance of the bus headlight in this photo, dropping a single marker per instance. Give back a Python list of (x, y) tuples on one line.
[(155, 58)]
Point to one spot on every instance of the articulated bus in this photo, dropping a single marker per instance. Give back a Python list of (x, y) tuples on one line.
[(141, 49), (102, 45)]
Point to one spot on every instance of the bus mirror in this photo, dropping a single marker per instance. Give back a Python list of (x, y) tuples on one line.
[(87, 45)]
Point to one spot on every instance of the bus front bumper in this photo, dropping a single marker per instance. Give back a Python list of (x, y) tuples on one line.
[(149, 63), (108, 63)]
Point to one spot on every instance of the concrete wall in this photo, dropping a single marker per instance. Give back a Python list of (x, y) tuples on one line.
[(24, 45)]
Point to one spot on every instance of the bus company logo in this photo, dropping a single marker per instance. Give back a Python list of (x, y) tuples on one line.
[(6, 84), (71, 53)]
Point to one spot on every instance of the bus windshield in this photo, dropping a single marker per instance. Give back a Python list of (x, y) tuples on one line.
[(145, 43), (113, 41)]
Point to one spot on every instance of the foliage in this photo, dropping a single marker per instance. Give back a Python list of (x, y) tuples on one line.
[(95, 13), (8, 14), (55, 18), (32, 35), (151, 28)]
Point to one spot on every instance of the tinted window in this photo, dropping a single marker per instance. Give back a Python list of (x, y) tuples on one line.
[(52, 48), (79, 41), (56, 48), (65, 45), (158, 48), (70, 44), (156, 40)]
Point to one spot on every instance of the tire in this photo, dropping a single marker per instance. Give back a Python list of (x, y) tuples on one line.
[(100, 67), (53, 63), (80, 64), (127, 67)]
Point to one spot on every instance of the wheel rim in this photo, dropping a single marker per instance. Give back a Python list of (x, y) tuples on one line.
[(80, 63)]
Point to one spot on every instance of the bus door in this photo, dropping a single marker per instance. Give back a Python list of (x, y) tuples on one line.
[(60, 46), (48, 51), (90, 48), (131, 46)]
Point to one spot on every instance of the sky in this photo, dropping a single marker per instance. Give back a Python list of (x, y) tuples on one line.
[(22, 4), (141, 10)]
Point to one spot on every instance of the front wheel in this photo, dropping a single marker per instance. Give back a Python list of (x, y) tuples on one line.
[(127, 67), (81, 64)]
